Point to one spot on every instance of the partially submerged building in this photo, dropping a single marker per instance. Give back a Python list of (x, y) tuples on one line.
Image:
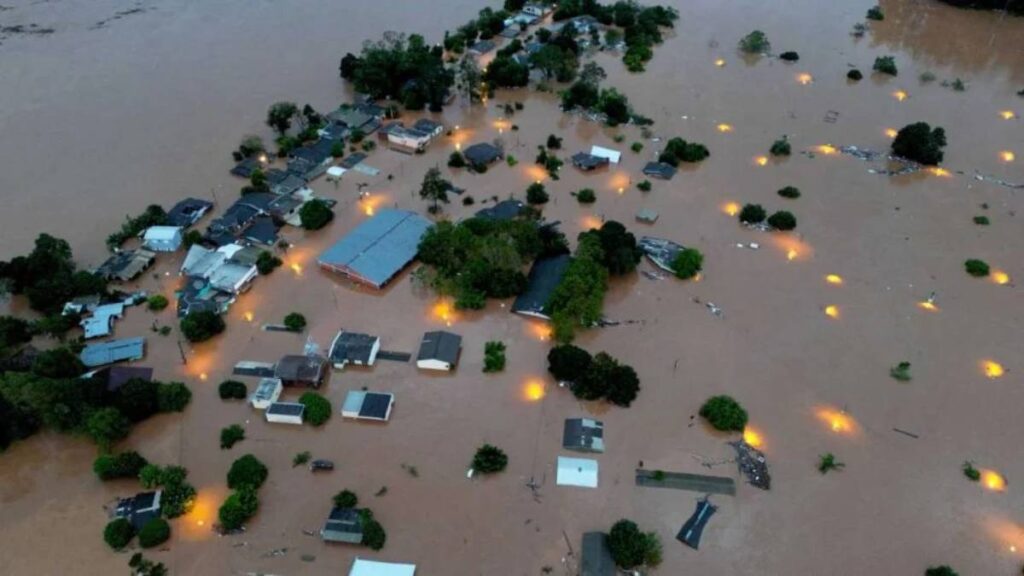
[(660, 252), (101, 322), (504, 210), (139, 509), (545, 275), (439, 350), (377, 249), (361, 567), (583, 435), (113, 351), (692, 530), (595, 556), (482, 47), (355, 348), (647, 215), (580, 472), (363, 405), (188, 211), (285, 413), (481, 155), (118, 376), (344, 525), (162, 238), (659, 170), (612, 156), (126, 265), (587, 162), (297, 370), (267, 392)]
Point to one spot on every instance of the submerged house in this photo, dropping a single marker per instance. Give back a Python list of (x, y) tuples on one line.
[(612, 156), (545, 275), (363, 405), (587, 162), (285, 413), (267, 392), (482, 47), (595, 556), (693, 528), (355, 348), (361, 567), (162, 238), (439, 350), (583, 435), (188, 211), (139, 509), (659, 170), (126, 265), (580, 472), (113, 351), (660, 252), (504, 210), (197, 295), (481, 155), (344, 525), (101, 322), (296, 370), (378, 248)]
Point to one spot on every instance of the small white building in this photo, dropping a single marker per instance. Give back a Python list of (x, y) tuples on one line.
[(538, 9), (576, 472), (362, 567), (232, 277), (162, 238), (267, 392), (439, 350), (285, 413), (364, 405), (408, 138), (613, 156)]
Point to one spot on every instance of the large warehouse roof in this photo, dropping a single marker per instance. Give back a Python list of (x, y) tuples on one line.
[(379, 248)]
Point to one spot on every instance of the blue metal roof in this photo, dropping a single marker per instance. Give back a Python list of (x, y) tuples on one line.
[(378, 249), (113, 351)]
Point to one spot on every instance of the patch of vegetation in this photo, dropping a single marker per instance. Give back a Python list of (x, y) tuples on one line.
[(594, 378), (885, 65), (118, 533), (554, 142), (755, 43), (489, 460), (346, 499), (752, 214), (577, 300), (154, 215), (232, 390), (972, 473), (854, 75), (790, 192), (511, 160), (404, 68), (586, 196), (781, 147), (154, 533), (536, 194), (921, 143), (301, 458), (456, 160), (644, 185), (494, 356), (238, 508), (678, 150), (295, 322), (875, 13), (374, 536), (926, 77), (318, 408), (178, 495), (724, 413), (202, 325), (687, 263), (631, 548), (157, 302), (976, 268), (981, 220), (48, 277), (266, 262), (901, 371), (944, 570), (478, 258), (315, 214), (789, 56), (636, 147), (247, 472), (230, 436), (782, 220), (142, 567), (828, 462), (114, 466)]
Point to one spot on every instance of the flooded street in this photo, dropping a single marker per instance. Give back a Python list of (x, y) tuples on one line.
[(98, 122)]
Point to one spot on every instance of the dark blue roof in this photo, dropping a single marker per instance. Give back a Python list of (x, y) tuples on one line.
[(504, 210), (692, 530), (544, 277)]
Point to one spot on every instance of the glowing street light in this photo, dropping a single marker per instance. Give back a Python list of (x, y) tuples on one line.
[(248, 316), (941, 172), (791, 254), (1007, 156), (827, 149), (724, 128), (761, 160), (928, 305), (720, 62), (992, 369), (1000, 277), (837, 420), (891, 132), (832, 311), (1008, 114), (834, 279), (753, 437), (534, 390), (899, 95), (804, 78), (731, 208), (993, 480)]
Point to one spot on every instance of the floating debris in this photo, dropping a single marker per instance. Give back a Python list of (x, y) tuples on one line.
[(752, 464), (714, 309), (661, 252)]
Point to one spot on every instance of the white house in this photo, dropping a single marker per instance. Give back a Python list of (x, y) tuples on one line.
[(407, 138), (538, 9), (363, 405), (267, 392), (613, 156), (285, 413), (362, 567), (576, 472), (439, 350), (162, 238), (232, 277)]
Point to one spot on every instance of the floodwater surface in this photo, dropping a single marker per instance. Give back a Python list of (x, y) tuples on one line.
[(98, 121)]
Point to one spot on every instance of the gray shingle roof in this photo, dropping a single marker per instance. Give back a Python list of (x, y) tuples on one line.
[(440, 345), (544, 277), (583, 434), (343, 525), (352, 347), (596, 557), (379, 248)]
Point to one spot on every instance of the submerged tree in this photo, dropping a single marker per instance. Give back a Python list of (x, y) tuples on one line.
[(755, 43), (920, 142), (435, 189)]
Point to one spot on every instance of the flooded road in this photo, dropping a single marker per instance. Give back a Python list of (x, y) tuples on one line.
[(97, 123)]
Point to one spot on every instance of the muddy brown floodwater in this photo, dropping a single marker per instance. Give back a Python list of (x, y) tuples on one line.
[(98, 121)]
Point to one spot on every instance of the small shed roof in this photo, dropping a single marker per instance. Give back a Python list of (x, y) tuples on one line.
[(361, 567), (343, 525), (693, 528), (113, 351), (352, 347), (372, 405), (266, 390), (188, 211), (118, 376), (379, 248), (596, 557), (660, 170), (162, 233), (612, 155), (504, 210), (647, 215), (583, 434), (286, 409), (585, 161), (297, 368), (440, 345), (482, 153), (576, 472)]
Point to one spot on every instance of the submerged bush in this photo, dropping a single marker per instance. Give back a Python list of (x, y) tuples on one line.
[(976, 268), (752, 214), (782, 220), (755, 43), (154, 533), (232, 389), (789, 56), (781, 147), (921, 143), (724, 413), (586, 196), (790, 192), (875, 13), (489, 459), (118, 533), (854, 75), (885, 65), (687, 263)]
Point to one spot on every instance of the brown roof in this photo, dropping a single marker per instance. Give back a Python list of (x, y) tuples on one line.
[(306, 369)]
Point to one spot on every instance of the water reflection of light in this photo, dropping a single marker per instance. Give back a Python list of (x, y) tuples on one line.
[(834, 279), (941, 172), (619, 182), (993, 480), (832, 311), (1008, 114), (724, 127), (992, 369), (720, 62), (1007, 156), (837, 420), (804, 78), (248, 316), (928, 305), (444, 311), (458, 146), (761, 160), (791, 254), (731, 208), (891, 132), (535, 173), (198, 521), (370, 204), (899, 95), (539, 330), (590, 222), (1000, 277), (753, 436), (827, 149), (533, 390), (791, 246)]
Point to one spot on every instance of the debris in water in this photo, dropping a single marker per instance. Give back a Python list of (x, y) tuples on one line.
[(714, 309), (752, 464)]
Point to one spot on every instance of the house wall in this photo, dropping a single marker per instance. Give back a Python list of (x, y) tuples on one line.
[(433, 365), (283, 419)]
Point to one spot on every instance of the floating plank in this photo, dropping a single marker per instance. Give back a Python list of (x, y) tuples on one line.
[(394, 356), (255, 369), (683, 481)]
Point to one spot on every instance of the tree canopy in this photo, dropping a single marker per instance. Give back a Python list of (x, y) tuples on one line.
[(402, 67), (247, 471), (631, 548), (315, 214), (619, 251), (202, 325), (920, 142), (724, 413), (48, 277)]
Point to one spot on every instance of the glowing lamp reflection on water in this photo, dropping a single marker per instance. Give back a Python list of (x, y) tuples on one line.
[(248, 316), (1000, 277), (753, 437), (724, 128), (834, 279), (792, 254), (297, 268), (940, 172), (832, 311), (993, 480), (992, 369), (203, 376), (731, 208), (827, 149), (443, 311), (761, 160), (534, 390), (1008, 114), (720, 62), (899, 95), (837, 420), (1007, 156), (804, 78), (891, 132), (928, 305)]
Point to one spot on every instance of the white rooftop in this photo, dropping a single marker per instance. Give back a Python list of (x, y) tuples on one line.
[(162, 233), (612, 155), (577, 472), (372, 568)]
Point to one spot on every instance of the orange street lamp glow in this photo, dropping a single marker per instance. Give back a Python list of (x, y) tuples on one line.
[(792, 254), (940, 172), (725, 128), (761, 160), (993, 480), (297, 268), (827, 149), (834, 279), (804, 78), (731, 208), (928, 305), (591, 222), (443, 311), (534, 390), (891, 132), (458, 146), (837, 420), (992, 369), (1007, 156), (1008, 114), (248, 316), (899, 95), (832, 311), (720, 62), (202, 376), (1000, 277), (753, 437)]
